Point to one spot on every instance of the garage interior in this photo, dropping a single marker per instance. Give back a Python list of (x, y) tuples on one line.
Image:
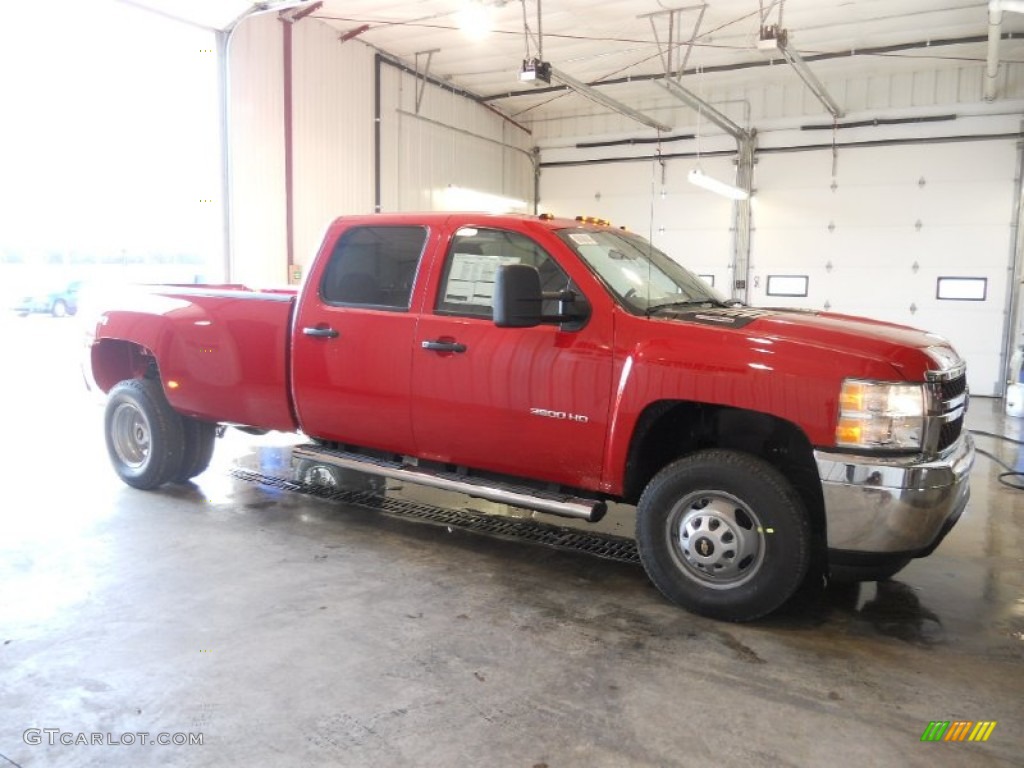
[(870, 158)]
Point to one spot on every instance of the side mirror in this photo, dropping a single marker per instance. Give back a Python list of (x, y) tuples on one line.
[(517, 297)]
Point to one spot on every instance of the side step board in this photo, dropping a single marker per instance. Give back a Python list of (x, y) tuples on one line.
[(590, 510)]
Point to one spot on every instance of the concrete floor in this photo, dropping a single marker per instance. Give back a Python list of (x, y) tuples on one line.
[(293, 631)]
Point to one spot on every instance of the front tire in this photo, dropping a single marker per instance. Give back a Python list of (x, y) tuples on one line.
[(145, 437), (724, 535), (59, 308)]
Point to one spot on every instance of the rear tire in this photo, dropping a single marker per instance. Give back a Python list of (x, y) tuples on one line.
[(59, 308), (199, 441), (723, 534), (145, 437)]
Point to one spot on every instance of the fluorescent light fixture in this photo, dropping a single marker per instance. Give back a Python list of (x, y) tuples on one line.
[(462, 199), (700, 179)]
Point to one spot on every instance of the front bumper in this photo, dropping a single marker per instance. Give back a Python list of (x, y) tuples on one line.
[(900, 506)]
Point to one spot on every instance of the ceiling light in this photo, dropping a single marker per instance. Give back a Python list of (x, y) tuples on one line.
[(475, 19), (700, 179)]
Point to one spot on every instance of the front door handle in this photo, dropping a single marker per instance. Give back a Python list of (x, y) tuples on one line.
[(444, 346), (321, 333)]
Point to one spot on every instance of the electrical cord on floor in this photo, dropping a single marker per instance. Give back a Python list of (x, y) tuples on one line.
[(1010, 471)]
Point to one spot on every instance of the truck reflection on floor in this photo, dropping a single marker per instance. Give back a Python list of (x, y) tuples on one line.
[(319, 475)]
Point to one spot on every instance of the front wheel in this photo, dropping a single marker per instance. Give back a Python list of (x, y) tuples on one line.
[(59, 308), (723, 534), (145, 437)]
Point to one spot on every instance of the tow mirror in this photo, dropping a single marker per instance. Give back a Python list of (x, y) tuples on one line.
[(517, 297)]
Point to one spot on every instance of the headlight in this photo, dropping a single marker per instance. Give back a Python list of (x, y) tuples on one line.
[(875, 415)]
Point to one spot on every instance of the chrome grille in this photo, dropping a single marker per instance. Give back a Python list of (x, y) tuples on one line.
[(954, 388), (950, 433), (946, 416)]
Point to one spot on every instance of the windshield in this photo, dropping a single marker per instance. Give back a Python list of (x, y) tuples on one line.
[(640, 276)]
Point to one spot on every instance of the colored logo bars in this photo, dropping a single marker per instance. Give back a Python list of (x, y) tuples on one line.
[(958, 730)]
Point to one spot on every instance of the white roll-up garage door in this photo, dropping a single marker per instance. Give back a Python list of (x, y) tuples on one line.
[(686, 222), (918, 234)]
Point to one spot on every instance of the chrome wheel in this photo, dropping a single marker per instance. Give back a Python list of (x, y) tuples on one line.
[(716, 539), (130, 432), (321, 476)]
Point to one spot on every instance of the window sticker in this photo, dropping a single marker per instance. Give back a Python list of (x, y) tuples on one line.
[(582, 238), (471, 278)]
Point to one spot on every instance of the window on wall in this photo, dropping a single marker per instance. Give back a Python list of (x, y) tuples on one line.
[(467, 287), (787, 285), (374, 266), (961, 288)]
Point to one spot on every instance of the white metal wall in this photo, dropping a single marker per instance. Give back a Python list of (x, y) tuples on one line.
[(770, 96), (333, 143), (256, 151), (421, 154), (332, 131), (875, 238)]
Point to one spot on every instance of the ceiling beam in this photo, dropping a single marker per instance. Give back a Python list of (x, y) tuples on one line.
[(607, 101), (695, 102), (774, 39), (880, 50)]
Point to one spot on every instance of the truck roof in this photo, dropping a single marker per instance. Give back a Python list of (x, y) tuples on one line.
[(544, 220)]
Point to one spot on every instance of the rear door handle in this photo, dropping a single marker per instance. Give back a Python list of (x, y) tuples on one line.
[(444, 346), (321, 333)]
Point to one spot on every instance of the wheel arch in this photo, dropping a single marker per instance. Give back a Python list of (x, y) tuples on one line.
[(670, 429), (115, 360)]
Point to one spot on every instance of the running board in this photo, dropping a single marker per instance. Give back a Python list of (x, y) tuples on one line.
[(563, 505)]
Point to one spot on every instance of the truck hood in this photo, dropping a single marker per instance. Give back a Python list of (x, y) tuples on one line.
[(909, 350)]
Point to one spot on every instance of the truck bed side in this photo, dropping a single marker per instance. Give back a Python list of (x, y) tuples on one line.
[(222, 353)]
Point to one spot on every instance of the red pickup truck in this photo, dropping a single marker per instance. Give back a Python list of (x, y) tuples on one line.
[(558, 365)]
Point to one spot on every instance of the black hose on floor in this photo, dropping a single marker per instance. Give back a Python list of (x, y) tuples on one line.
[(1010, 471)]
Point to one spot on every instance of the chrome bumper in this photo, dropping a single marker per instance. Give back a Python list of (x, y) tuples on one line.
[(893, 505)]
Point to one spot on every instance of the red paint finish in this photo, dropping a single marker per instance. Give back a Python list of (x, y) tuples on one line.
[(227, 350), (532, 402), (544, 403)]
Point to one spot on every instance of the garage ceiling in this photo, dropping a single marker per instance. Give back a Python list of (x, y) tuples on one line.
[(616, 42)]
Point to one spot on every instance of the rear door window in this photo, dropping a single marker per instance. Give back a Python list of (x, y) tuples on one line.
[(374, 267)]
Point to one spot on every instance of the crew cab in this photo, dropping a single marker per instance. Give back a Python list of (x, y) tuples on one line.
[(559, 365)]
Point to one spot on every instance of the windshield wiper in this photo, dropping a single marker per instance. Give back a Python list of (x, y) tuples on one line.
[(707, 303)]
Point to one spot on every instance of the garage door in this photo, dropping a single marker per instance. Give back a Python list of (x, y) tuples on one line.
[(690, 224), (919, 235)]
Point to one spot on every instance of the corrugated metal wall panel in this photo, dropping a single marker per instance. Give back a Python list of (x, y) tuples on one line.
[(421, 155), (332, 132), (256, 125), (778, 95)]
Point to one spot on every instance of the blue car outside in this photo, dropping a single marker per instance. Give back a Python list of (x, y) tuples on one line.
[(61, 303)]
